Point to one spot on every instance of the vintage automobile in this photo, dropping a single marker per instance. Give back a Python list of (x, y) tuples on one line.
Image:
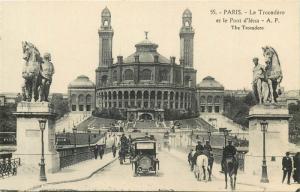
[(144, 159)]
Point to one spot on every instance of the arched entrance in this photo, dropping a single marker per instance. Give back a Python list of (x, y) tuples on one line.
[(146, 116)]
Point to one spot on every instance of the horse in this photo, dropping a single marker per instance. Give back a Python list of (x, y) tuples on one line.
[(230, 167), (210, 163), (31, 72), (273, 74), (201, 166)]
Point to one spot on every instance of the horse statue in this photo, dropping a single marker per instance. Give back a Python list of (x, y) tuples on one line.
[(37, 73), (31, 72), (273, 72), (230, 166)]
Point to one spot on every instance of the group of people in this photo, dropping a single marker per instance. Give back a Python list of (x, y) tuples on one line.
[(98, 150), (200, 149), (229, 151)]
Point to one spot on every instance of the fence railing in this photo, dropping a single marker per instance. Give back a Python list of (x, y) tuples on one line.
[(9, 167), (70, 156)]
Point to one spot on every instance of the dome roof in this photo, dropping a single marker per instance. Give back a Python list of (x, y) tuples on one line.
[(105, 12), (209, 83), (187, 13), (81, 81), (146, 50)]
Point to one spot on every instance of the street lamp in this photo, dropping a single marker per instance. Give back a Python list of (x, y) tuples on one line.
[(43, 177), (74, 133), (89, 132), (264, 174), (209, 135)]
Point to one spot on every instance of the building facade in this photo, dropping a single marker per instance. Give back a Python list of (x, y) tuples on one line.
[(210, 96), (81, 95), (145, 83)]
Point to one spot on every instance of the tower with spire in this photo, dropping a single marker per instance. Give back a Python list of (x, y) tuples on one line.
[(106, 34), (187, 39)]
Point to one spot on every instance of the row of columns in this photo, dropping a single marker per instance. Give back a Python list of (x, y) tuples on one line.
[(183, 100)]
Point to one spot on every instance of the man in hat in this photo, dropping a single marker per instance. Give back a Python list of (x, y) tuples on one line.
[(207, 146), (287, 167), (199, 147), (229, 152)]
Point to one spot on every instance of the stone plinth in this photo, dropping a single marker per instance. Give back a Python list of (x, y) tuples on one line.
[(276, 141), (29, 144)]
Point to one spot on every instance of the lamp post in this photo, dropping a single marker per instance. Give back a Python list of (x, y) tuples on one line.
[(209, 135), (225, 137), (264, 174), (74, 133), (89, 133), (43, 177)]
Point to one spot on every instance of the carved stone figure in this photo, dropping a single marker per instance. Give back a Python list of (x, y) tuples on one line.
[(47, 71), (260, 86), (266, 79), (273, 72), (31, 72), (37, 74)]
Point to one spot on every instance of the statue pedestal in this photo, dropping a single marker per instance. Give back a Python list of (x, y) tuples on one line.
[(29, 144), (276, 138)]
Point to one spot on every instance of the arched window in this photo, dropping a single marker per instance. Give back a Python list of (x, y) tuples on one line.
[(202, 99), (88, 102), (88, 99), (128, 74), (73, 99), (114, 95), (146, 74), (132, 95), (81, 102), (209, 99), (81, 99), (146, 94), (115, 75), (217, 99), (159, 95)]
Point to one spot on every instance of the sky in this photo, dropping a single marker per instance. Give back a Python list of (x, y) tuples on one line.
[(69, 31)]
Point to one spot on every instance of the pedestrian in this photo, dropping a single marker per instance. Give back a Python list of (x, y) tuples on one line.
[(190, 156), (296, 174), (101, 151), (114, 150), (96, 151), (287, 167)]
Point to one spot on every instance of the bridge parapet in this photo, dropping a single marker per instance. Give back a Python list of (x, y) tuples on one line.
[(69, 155)]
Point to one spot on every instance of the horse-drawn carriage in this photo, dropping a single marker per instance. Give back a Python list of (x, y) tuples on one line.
[(144, 159)]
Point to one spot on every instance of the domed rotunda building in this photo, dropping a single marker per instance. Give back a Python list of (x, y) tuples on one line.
[(81, 92), (146, 83)]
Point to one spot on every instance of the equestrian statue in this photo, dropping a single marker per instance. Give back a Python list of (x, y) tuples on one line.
[(267, 79), (37, 73)]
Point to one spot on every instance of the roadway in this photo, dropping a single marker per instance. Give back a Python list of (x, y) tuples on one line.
[(174, 174)]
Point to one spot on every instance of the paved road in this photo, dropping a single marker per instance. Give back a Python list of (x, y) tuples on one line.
[(173, 175)]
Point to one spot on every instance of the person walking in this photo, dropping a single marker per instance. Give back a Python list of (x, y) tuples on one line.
[(96, 151), (114, 150), (101, 151), (287, 167)]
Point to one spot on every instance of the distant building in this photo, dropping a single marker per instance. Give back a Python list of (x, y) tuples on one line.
[(210, 96), (145, 83), (289, 97), (237, 93), (81, 93)]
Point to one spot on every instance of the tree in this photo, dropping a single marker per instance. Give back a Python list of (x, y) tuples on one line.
[(60, 105)]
